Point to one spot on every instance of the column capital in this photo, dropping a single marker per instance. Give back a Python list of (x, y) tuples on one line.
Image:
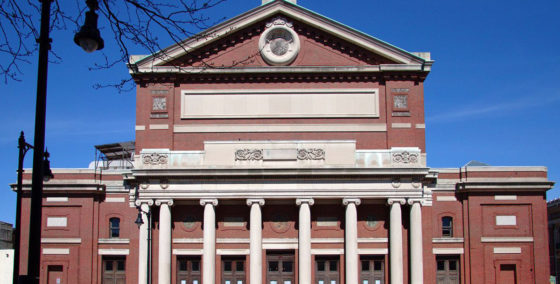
[(309, 201), (251, 201), (390, 201), (346, 201), (411, 201), (212, 201), (139, 202), (169, 202)]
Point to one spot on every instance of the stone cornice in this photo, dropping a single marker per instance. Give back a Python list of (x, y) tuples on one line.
[(503, 186)]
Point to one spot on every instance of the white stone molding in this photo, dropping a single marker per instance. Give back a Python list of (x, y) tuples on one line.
[(506, 239), (448, 251), (113, 241), (507, 250), (327, 240), (212, 201), (447, 240), (372, 240), (61, 240), (55, 251), (140, 127), (113, 251), (279, 246), (114, 199), (234, 252), (259, 201), (505, 197), (373, 251), (57, 199), (327, 251), (187, 252), (188, 241), (309, 201), (411, 201), (446, 198)]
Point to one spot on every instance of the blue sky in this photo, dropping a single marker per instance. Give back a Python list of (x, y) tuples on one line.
[(493, 93)]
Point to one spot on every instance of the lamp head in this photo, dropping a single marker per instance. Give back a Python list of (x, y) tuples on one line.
[(139, 220), (89, 37), (47, 172)]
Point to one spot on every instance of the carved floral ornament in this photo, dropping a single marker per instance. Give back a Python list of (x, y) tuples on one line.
[(405, 157), (154, 159), (257, 154)]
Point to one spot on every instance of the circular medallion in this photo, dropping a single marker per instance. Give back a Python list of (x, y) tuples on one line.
[(279, 44), (371, 222), (189, 222), (280, 223)]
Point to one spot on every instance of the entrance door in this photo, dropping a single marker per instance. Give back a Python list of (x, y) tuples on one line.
[(326, 270), (233, 270), (447, 270), (114, 270), (280, 268), (54, 274), (507, 274), (188, 270), (372, 270)]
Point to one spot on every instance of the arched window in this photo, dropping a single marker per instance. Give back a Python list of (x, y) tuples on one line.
[(447, 226), (114, 227)]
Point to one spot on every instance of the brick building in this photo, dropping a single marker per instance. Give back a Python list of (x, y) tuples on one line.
[(283, 147)]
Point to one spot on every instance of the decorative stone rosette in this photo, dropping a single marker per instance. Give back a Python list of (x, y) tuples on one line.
[(311, 154), (249, 155), (154, 159)]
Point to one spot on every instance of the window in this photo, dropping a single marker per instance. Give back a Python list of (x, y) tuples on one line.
[(114, 227), (233, 270), (280, 268), (372, 270), (114, 270), (447, 226), (447, 270), (188, 270), (326, 270)]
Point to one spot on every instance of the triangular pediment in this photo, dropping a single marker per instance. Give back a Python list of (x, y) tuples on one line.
[(235, 43)]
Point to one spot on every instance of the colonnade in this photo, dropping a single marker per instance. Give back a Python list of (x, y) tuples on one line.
[(304, 240)]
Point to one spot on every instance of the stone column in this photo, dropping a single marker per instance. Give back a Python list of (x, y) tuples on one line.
[(304, 240), (143, 241), (395, 241), (164, 249), (416, 255), (351, 239), (209, 241), (255, 259)]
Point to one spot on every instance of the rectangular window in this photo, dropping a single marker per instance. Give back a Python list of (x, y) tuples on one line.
[(114, 270), (233, 269), (327, 269), (447, 270), (188, 271), (372, 269), (280, 267)]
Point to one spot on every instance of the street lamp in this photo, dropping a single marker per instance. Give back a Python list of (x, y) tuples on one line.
[(47, 175), (44, 40), (88, 37), (140, 222)]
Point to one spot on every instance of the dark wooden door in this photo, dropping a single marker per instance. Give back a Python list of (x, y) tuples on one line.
[(280, 268), (233, 270), (55, 274), (508, 274), (447, 270), (114, 270), (188, 270), (327, 270), (372, 270)]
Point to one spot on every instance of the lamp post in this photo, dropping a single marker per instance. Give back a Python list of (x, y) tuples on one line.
[(139, 222), (34, 257), (47, 175)]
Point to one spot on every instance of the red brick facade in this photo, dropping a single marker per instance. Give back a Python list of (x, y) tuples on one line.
[(183, 158)]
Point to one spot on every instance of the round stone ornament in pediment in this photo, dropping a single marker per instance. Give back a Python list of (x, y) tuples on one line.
[(280, 223), (279, 43)]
